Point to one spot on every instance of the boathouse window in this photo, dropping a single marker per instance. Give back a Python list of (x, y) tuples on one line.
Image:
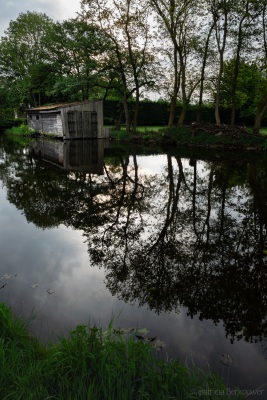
[(37, 116)]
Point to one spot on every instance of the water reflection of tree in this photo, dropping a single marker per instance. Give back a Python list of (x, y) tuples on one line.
[(200, 243), (48, 197), (193, 236)]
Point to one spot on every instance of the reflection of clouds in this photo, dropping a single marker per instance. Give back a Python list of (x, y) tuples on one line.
[(151, 165)]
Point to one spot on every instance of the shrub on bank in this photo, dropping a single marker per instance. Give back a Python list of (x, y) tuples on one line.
[(22, 130), (92, 364)]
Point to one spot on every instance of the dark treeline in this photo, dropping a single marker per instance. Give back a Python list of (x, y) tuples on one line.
[(156, 113), (187, 52)]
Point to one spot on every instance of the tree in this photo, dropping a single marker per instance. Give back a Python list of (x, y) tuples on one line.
[(204, 52), (125, 24), (245, 87), (220, 12), (74, 50), (245, 27), (262, 84), (22, 50), (177, 20)]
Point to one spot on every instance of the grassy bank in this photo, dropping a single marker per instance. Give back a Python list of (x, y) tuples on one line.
[(207, 135), (21, 130), (21, 134), (92, 364)]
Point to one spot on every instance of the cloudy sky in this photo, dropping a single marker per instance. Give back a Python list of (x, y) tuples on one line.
[(55, 9)]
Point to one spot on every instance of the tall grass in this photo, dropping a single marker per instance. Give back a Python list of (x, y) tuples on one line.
[(92, 364)]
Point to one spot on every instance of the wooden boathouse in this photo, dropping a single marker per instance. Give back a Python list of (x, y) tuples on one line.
[(77, 120)]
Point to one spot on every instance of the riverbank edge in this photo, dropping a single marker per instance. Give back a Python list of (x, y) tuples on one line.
[(211, 136), (94, 364), (207, 136)]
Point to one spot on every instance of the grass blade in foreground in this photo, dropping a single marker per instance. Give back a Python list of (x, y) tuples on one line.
[(91, 364)]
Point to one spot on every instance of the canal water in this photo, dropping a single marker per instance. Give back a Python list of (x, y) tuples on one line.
[(173, 241)]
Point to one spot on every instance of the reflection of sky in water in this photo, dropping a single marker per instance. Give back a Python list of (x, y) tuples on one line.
[(151, 164), (58, 259)]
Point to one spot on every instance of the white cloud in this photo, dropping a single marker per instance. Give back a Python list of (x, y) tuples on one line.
[(58, 10)]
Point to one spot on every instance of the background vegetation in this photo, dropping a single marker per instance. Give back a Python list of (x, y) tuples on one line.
[(207, 53)]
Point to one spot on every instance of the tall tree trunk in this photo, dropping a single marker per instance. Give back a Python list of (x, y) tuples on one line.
[(125, 106), (217, 98), (183, 87), (221, 47), (201, 90), (176, 85), (118, 120), (172, 110), (236, 71), (183, 114), (136, 109)]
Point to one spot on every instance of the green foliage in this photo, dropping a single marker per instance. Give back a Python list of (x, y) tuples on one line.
[(22, 130), (109, 52), (74, 48), (121, 134), (22, 50), (249, 81), (94, 364), (10, 327)]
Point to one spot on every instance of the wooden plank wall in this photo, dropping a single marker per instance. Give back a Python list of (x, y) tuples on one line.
[(51, 123), (35, 122), (46, 123), (83, 120)]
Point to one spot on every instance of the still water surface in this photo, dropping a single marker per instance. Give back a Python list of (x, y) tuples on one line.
[(173, 242)]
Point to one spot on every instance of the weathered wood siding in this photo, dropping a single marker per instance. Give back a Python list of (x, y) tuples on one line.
[(74, 121), (46, 122), (52, 123), (83, 120), (35, 122)]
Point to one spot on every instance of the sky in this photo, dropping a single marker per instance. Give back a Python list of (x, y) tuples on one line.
[(58, 10)]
